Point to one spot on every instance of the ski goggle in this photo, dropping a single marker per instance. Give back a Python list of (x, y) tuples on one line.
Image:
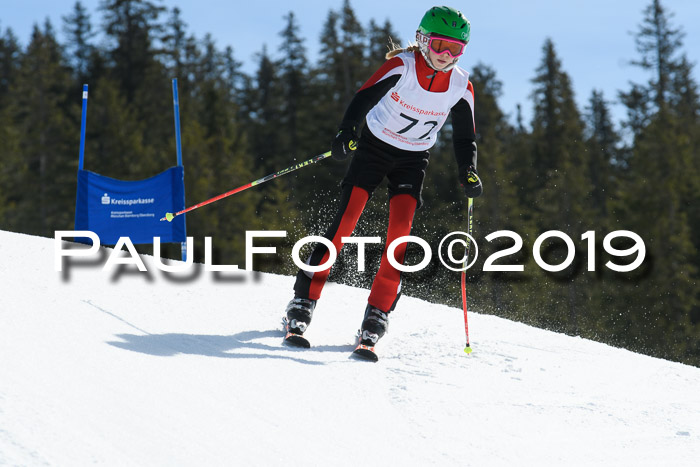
[(441, 45)]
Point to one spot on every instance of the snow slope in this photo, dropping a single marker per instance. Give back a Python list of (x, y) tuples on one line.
[(142, 369)]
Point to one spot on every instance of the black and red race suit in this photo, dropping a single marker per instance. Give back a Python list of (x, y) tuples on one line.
[(408, 81)]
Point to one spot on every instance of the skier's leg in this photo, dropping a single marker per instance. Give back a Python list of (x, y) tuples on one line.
[(405, 188), (366, 171), (308, 285), (386, 288), (352, 202)]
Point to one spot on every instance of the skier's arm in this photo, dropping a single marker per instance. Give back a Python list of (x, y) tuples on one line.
[(369, 94), (464, 140), (464, 131)]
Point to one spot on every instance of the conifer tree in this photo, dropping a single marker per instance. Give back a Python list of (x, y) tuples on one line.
[(175, 41), (379, 37), (78, 28), (264, 104), (114, 134), (293, 69), (353, 69), (9, 63), (216, 159), (132, 26), (38, 174), (326, 85), (298, 136), (326, 75), (233, 74), (657, 44), (654, 202), (9, 133), (558, 188), (602, 153), (498, 167)]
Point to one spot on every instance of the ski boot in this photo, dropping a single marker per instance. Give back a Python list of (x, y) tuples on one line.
[(374, 326), (299, 313)]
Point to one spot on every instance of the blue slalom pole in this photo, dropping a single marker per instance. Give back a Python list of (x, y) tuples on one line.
[(178, 147), (176, 106), (83, 121)]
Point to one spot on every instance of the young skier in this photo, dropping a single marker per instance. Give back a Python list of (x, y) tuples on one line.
[(404, 103)]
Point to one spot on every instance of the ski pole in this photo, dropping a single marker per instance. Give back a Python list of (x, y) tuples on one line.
[(470, 213), (170, 216)]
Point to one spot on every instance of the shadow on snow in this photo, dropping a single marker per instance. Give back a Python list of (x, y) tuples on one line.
[(167, 345)]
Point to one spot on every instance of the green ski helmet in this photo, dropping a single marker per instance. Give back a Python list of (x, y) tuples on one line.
[(442, 21)]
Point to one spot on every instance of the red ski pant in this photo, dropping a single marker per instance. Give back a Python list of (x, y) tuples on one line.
[(373, 161), (386, 288)]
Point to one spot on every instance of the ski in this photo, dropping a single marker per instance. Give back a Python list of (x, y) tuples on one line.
[(292, 339), (297, 340), (365, 352)]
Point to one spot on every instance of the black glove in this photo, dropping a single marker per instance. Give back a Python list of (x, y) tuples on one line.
[(470, 182), (344, 144)]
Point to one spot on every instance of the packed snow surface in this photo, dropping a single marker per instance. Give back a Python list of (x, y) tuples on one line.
[(126, 368)]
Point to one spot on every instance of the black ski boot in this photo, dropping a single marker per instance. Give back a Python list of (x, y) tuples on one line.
[(374, 326), (299, 314)]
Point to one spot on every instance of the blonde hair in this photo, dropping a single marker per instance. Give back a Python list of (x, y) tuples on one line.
[(395, 49)]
